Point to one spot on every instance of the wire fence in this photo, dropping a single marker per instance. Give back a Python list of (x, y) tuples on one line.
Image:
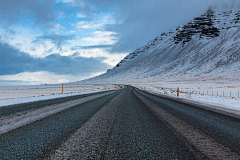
[(232, 94), (188, 92)]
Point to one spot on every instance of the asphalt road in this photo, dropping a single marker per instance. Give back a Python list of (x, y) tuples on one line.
[(8, 110), (127, 124)]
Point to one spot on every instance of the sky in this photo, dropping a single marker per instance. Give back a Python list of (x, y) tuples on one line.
[(61, 41)]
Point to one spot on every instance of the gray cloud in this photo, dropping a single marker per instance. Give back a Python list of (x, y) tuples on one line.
[(139, 21), (91, 47), (13, 62), (13, 11), (57, 40)]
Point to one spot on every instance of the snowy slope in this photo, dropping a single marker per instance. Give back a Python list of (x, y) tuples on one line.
[(208, 47)]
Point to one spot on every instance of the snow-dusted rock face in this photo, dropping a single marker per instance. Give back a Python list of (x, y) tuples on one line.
[(144, 48), (203, 25), (206, 47)]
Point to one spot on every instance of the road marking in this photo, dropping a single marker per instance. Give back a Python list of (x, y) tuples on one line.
[(206, 145)]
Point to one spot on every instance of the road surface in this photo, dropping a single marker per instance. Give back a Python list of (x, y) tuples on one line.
[(121, 124)]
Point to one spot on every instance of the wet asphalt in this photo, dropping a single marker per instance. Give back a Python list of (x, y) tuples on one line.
[(138, 134), (11, 109), (223, 129), (39, 139), (135, 131)]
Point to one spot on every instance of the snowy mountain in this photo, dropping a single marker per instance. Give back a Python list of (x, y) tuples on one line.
[(208, 47)]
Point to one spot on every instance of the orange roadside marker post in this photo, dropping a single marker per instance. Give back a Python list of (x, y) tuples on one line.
[(62, 88)]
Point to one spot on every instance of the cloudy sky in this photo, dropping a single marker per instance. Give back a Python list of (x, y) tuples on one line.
[(59, 41)]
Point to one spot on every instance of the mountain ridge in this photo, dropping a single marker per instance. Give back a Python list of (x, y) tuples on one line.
[(206, 47)]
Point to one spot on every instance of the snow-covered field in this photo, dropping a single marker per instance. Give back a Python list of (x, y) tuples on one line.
[(20, 94), (203, 64), (224, 93), (218, 92)]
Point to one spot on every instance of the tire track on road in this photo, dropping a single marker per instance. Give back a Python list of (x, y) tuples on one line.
[(41, 138), (123, 129), (90, 141), (206, 145), (8, 123)]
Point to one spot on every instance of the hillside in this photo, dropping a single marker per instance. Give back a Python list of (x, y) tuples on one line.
[(207, 48)]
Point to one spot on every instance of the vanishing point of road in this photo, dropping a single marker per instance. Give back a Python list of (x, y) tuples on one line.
[(120, 124)]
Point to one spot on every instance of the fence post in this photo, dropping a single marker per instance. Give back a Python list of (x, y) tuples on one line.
[(178, 91), (62, 88), (223, 93), (230, 94), (217, 93)]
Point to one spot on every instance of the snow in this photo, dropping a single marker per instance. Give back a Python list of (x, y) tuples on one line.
[(220, 93), (209, 92), (200, 58), (32, 99), (10, 95), (19, 119), (209, 65)]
